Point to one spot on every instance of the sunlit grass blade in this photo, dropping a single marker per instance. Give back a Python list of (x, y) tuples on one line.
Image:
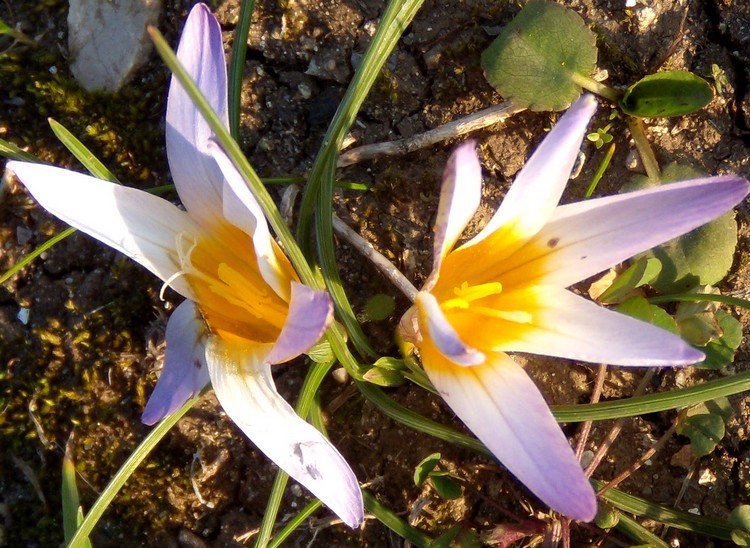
[(12, 152), (653, 403), (387, 517), (600, 171), (665, 514), (16, 268), (71, 504), (82, 154), (317, 199), (126, 470), (237, 64), (315, 375), (417, 422)]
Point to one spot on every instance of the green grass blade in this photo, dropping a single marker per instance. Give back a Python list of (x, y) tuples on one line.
[(126, 470), (12, 152), (388, 518), (638, 533), (82, 154), (16, 268), (237, 64), (653, 403), (666, 514), (71, 504), (699, 298), (294, 523), (416, 421)]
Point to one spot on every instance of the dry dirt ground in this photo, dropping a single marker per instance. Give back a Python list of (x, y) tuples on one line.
[(85, 362)]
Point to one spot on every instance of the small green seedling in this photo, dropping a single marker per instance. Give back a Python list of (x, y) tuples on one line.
[(445, 485)]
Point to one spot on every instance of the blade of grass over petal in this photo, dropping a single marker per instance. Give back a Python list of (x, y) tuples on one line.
[(237, 64), (82, 154), (653, 403), (12, 152), (232, 149), (315, 375), (126, 470)]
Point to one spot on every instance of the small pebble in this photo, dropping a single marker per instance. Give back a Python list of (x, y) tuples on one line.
[(23, 315)]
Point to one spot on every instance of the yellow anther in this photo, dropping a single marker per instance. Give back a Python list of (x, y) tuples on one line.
[(474, 292)]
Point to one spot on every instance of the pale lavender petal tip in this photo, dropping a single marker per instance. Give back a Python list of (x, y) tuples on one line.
[(310, 314), (460, 194), (503, 407), (185, 372), (442, 334)]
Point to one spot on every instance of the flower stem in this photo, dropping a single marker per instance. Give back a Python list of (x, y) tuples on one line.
[(644, 148)]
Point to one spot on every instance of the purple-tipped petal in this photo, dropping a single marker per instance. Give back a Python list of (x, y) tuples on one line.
[(587, 237), (185, 371), (140, 225), (241, 377), (242, 210), (439, 330), (310, 314), (504, 409), (575, 328), (460, 194), (537, 189), (198, 180)]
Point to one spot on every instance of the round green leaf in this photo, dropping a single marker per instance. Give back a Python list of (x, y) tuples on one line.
[(379, 307), (446, 487), (704, 431), (424, 468), (537, 56), (720, 352), (671, 93)]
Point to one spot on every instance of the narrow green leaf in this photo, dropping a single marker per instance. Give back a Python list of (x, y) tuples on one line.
[(80, 540), (666, 514), (535, 57), (71, 505), (12, 152), (638, 533), (388, 518), (669, 93), (82, 154)]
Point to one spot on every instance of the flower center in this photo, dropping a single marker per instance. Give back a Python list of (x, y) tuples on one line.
[(467, 295), (230, 292)]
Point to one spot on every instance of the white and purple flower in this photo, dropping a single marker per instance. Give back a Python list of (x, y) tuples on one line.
[(245, 307), (504, 291)]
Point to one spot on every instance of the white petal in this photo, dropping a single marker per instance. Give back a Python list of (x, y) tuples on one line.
[(243, 211), (537, 189), (572, 327), (460, 194), (185, 371), (587, 237), (441, 333), (198, 180), (310, 314), (242, 380), (140, 225), (503, 407)]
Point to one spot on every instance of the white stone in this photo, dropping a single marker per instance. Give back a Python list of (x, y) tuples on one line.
[(107, 40)]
